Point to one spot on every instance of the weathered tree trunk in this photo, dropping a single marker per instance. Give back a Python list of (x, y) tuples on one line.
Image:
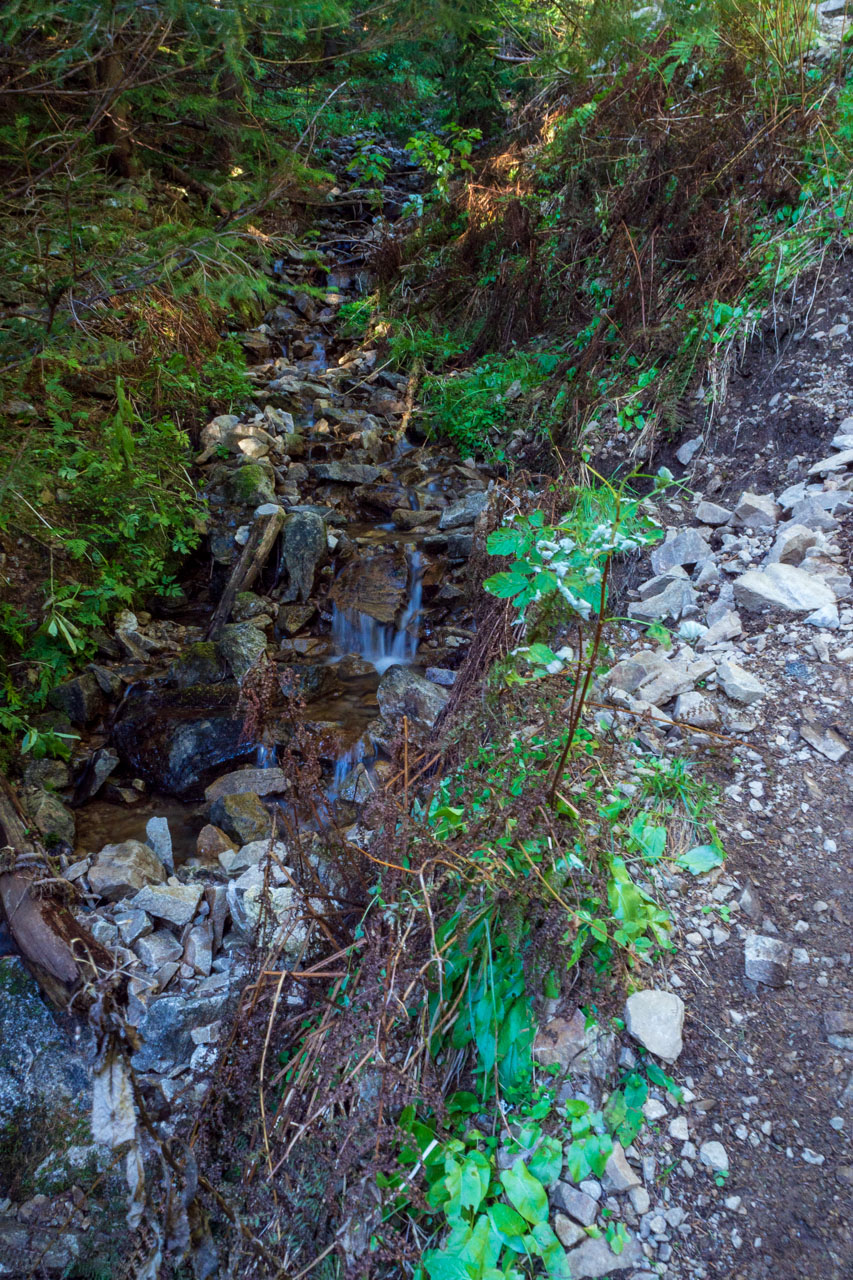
[(114, 129), (62, 956)]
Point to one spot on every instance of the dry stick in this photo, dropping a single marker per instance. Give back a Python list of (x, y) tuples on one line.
[(247, 568)]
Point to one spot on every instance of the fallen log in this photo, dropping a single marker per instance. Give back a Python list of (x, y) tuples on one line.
[(63, 957), (255, 554)]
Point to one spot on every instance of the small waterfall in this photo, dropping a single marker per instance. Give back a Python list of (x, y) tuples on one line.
[(266, 757), (379, 644)]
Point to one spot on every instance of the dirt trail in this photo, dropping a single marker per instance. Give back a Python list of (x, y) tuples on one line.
[(771, 1067)]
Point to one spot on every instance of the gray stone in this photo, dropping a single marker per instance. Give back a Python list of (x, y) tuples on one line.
[(697, 709), (727, 627), (442, 676), (673, 602), (346, 472), (81, 699), (198, 663), (714, 1156), (165, 1029), (739, 684), (49, 775), (781, 586), (836, 462), (242, 816), (176, 903), (661, 581), (122, 869), (595, 1258), (687, 452), (573, 1046), (240, 644), (756, 510), (825, 617), (303, 548), (404, 692), (199, 948), (257, 782), (766, 959), (47, 812), (159, 837), (158, 948), (814, 514), (567, 1232), (656, 1018), (825, 740), (45, 1090), (357, 787), (618, 1174), (710, 513), (684, 547), (132, 924), (463, 512), (792, 543), (652, 676), (575, 1203), (251, 485)]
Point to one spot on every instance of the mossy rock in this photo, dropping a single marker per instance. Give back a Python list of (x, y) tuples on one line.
[(251, 485)]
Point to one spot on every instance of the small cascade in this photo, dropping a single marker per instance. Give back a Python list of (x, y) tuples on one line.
[(381, 645), (265, 757)]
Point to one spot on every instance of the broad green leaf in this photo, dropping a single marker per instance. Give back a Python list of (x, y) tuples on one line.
[(702, 858), (505, 542), (546, 1161), (505, 585), (542, 654), (525, 1192)]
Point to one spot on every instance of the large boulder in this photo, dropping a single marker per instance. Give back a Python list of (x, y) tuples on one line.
[(781, 586), (120, 870), (404, 692), (303, 547), (81, 699), (198, 663), (45, 1091), (47, 812), (251, 485), (242, 816)]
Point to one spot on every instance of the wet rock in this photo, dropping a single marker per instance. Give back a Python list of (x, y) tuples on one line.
[(404, 519), (248, 605), (258, 782), (757, 511), (292, 618), (211, 842), (303, 547), (384, 498), (570, 1044), (656, 1018), (442, 676), (404, 692), (242, 816), (463, 512), (120, 870), (44, 1085), (176, 903), (684, 547), (240, 644), (739, 684), (173, 740), (781, 586), (50, 775), (652, 676), (250, 485), (54, 821), (595, 1258), (766, 959), (357, 787), (376, 587), (81, 699), (346, 472)]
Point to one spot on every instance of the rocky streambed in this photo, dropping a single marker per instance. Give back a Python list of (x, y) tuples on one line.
[(324, 619)]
